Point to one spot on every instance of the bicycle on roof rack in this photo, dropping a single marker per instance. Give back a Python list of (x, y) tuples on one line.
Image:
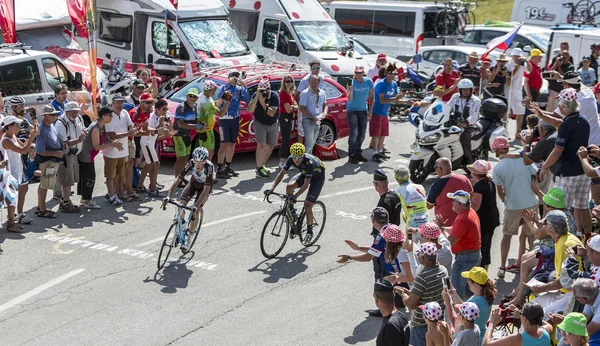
[(583, 12), (454, 17)]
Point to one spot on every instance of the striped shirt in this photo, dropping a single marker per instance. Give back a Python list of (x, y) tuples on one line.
[(428, 285)]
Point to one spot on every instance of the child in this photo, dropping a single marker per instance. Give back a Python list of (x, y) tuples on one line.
[(469, 335), (33, 172), (588, 75), (438, 333)]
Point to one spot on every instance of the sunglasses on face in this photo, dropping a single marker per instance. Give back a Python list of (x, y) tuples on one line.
[(393, 73), (235, 75), (289, 81), (149, 102), (139, 87), (315, 68), (193, 97), (448, 65), (297, 157), (198, 162)]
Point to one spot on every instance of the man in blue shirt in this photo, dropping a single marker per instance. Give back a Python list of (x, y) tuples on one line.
[(313, 107), (386, 93), (60, 99), (359, 113), (229, 124), (50, 154)]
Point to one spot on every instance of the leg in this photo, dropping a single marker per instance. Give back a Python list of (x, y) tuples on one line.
[(522, 240), (362, 130), (309, 138), (595, 188), (154, 175), (519, 119), (89, 174), (458, 282), (583, 219), (23, 188), (528, 262), (285, 126), (42, 198), (180, 164), (145, 171), (309, 212), (504, 247), (129, 175), (352, 137)]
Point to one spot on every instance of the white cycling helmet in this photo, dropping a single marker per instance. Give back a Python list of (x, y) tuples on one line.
[(465, 84), (16, 100), (200, 154)]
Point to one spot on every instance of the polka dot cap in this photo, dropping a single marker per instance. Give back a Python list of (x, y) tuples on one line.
[(430, 230), (428, 249), (500, 143), (433, 311), (469, 310), (568, 94), (393, 234), (596, 275), (263, 84)]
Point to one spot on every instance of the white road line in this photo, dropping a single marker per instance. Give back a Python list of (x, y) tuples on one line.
[(403, 160), (207, 225), (347, 192), (38, 290)]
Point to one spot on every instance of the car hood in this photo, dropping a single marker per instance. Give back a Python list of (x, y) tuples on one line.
[(336, 64)]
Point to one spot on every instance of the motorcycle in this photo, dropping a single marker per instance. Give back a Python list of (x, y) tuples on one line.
[(438, 136), (119, 80)]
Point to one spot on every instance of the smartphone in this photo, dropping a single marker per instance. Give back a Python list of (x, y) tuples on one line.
[(447, 280), (546, 75), (243, 75), (575, 249)]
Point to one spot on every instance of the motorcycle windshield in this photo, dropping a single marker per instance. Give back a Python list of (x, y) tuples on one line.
[(437, 114)]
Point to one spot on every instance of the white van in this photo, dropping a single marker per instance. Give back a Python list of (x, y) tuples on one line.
[(389, 27), (544, 12), (307, 33), (136, 30), (579, 43)]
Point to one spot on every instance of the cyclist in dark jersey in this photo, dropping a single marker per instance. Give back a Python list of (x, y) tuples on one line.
[(200, 184), (311, 178)]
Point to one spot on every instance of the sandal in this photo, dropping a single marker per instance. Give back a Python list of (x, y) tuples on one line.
[(47, 214), (69, 208), (15, 228)]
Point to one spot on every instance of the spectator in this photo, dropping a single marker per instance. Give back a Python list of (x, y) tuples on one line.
[(438, 332), (315, 69), (465, 322), (483, 201), (573, 133), (497, 78), (313, 107), (484, 294), (115, 160), (447, 182), (144, 75), (33, 166), (541, 151), (138, 87), (465, 238), (206, 119), (13, 150), (60, 98), (388, 199), (466, 112), (229, 124), (287, 108), (536, 332), (395, 330), (586, 292), (386, 93), (561, 65), (485, 72), (50, 155), (360, 112), (448, 78), (8, 194), (374, 72), (186, 116), (471, 71), (139, 117), (71, 133), (148, 131), (573, 329), (265, 106), (595, 53), (515, 183), (532, 82), (427, 287), (516, 69), (431, 233), (92, 144), (587, 74)]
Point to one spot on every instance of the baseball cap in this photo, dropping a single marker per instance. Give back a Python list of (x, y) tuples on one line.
[(380, 215), (555, 197), (477, 274), (586, 58), (430, 230), (193, 91), (574, 323), (596, 88), (570, 77), (393, 234), (104, 110), (480, 167), (594, 243), (595, 275), (468, 310), (47, 109), (536, 52), (557, 219), (146, 97), (381, 56), (461, 196), (383, 286), (209, 85), (568, 95), (429, 249), (72, 106), (359, 69), (11, 119), (500, 142), (439, 88), (379, 175), (432, 311), (138, 83), (401, 173), (516, 51), (118, 98), (233, 71)]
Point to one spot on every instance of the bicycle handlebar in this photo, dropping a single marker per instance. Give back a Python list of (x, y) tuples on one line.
[(280, 195), (193, 209)]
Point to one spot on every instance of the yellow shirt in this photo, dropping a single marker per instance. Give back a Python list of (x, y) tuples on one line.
[(566, 241)]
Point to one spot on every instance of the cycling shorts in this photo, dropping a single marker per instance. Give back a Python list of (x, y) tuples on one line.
[(209, 142), (316, 185), (191, 189), (183, 146)]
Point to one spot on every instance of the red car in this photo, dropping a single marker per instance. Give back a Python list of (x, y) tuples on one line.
[(333, 127)]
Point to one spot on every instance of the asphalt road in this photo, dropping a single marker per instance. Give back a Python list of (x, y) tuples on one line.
[(91, 278)]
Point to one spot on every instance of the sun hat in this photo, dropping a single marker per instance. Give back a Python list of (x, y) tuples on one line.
[(516, 51), (48, 110), (594, 243), (461, 196), (401, 173), (392, 234), (480, 167), (570, 77), (586, 58), (476, 274), (428, 249), (595, 275), (432, 311), (430, 230), (11, 119), (468, 310), (503, 57), (574, 323), (557, 219), (474, 55), (500, 142), (536, 52), (193, 91), (359, 69), (568, 95), (555, 197), (72, 106)]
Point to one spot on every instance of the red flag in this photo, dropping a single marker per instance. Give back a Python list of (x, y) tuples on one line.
[(401, 74), (7, 21), (419, 41), (175, 3), (78, 16)]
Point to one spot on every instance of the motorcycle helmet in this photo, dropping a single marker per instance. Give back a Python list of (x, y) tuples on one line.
[(494, 108), (465, 83)]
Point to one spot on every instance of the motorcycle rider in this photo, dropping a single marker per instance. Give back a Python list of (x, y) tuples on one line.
[(465, 106)]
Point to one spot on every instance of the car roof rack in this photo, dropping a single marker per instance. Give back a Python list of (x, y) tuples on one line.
[(18, 46), (257, 71)]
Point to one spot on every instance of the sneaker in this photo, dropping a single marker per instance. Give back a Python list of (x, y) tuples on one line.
[(154, 193), (377, 158), (159, 186), (513, 268), (385, 156), (264, 168), (142, 189), (185, 247), (501, 272), (353, 160), (90, 205), (115, 201), (261, 173), (57, 196), (68, 207), (385, 150), (361, 158), (281, 165), (24, 219), (125, 198), (231, 172), (134, 197), (107, 197), (307, 238), (223, 174)]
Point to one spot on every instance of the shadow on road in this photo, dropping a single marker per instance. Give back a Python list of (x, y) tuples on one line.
[(286, 267), (175, 275), (365, 331)]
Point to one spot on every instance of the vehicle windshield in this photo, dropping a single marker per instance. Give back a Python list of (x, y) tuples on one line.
[(215, 34), (361, 48), (318, 36), (540, 38), (179, 95)]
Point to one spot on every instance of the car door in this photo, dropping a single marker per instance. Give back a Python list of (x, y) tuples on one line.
[(435, 59), (23, 78)]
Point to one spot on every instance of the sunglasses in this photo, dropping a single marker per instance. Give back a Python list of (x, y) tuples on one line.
[(315, 68), (199, 161), (393, 73), (448, 65), (139, 87), (149, 102), (297, 157), (192, 96), (235, 75), (289, 81)]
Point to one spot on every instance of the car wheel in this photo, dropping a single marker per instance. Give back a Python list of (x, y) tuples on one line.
[(327, 134)]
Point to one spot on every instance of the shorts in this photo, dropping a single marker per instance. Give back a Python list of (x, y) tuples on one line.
[(183, 145), (515, 106), (190, 190), (512, 221), (138, 148), (132, 150), (299, 126), (149, 153), (209, 143), (115, 167), (316, 185), (577, 190), (229, 130), (69, 175), (266, 134), (379, 126), (49, 170)]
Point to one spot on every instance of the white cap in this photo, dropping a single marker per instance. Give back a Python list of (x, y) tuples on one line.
[(11, 119), (516, 51), (593, 243)]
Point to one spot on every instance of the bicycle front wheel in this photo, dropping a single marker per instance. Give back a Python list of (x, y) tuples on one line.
[(319, 218), (440, 25), (585, 11), (168, 244), (274, 234), (195, 235)]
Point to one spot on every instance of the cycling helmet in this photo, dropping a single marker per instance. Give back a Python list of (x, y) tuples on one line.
[(494, 108), (16, 100), (297, 149), (465, 84), (200, 154)]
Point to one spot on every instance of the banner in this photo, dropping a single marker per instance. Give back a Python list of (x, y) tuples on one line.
[(77, 12), (7, 21), (92, 44)]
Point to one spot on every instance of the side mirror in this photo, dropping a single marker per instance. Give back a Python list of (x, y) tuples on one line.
[(292, 48)]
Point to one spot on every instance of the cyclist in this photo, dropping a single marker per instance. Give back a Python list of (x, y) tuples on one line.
[(311, 178), (203, 177)]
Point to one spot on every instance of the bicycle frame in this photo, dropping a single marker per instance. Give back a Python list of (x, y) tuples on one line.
[(179, 218), (286, 208)]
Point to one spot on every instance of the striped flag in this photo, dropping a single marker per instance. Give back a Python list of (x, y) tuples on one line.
[(462, 22), (502, 42), (419, 42)]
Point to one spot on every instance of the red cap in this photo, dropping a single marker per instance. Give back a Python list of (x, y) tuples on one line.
[(146, 97), (596, 88), (382, 56)]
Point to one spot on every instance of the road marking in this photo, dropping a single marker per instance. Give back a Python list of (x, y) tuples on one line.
[(38, 290), (403, 160), (347, 192), (156, 240)]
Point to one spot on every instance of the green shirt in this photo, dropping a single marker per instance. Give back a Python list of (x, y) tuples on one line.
[(207, 112)]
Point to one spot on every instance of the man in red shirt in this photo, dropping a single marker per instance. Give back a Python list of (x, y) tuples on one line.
[(532, 81), (465, 239), (139, 116), (448, 182), (448, 78)]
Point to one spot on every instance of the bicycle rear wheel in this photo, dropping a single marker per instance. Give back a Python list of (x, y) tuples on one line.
[(274, 234), (470, 20), (319, 218), (168, 244), (596, 15), (195, 235), (440, 24), (585, 11)]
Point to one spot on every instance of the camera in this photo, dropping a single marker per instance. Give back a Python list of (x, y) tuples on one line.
[(72, 151), (266, 93), (536, 132), (227, 96), (560, 58), (522, 62)]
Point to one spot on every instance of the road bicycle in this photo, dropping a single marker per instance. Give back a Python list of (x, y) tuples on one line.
[(283, 224), (178, 231), (583, 12), (454, 17)]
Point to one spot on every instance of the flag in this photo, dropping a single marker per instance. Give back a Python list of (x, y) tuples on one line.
[(503, 42), (419, 41), (93, 53), (77, 12), (414, 76), (7, 21), (175, 3)]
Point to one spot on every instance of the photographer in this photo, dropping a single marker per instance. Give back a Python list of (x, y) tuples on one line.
[(497, 78), (560, 66), (206, 120), (265, 106)]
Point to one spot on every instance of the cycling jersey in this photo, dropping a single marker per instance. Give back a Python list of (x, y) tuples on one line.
[(310, 167), (414, 204)]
